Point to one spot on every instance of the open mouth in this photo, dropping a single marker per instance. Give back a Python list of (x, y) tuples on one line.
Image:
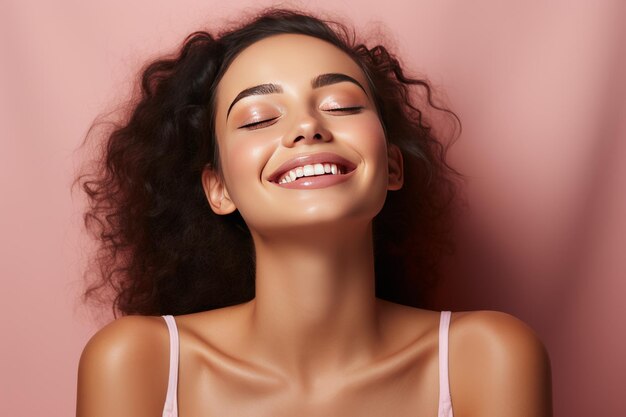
[(310, 166), (314, 170)]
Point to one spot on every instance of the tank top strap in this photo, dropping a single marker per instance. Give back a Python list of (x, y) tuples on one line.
[(170, 408), (445, 402)]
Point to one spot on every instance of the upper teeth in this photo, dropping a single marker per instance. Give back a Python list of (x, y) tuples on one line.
[(309, 171)]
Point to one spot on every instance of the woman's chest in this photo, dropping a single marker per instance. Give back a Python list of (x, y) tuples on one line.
[(212, 389)]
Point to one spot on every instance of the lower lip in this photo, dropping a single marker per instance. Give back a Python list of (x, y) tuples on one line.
[(323, 181)]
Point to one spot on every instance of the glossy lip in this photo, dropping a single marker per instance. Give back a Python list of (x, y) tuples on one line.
[(311, 159)]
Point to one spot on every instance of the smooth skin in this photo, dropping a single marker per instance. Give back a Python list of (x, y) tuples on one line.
[(315, 340)]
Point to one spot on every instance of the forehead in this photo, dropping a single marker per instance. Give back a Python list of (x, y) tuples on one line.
[(291, 60)]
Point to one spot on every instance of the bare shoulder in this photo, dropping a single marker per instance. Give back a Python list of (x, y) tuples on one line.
[(497, 366), (123, 369), (501, 329)]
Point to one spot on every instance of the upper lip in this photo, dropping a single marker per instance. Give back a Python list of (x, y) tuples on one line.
[(310, 159)]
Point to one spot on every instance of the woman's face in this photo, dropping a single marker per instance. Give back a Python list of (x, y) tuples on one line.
[(297, 100)]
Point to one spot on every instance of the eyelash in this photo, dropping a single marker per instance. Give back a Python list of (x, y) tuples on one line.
[(257, 125), (346, 109)]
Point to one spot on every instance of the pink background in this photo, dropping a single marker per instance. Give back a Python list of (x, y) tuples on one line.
[(539, 87)]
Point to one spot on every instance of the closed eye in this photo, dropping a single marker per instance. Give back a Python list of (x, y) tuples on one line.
[(257, 125), (346, 109)]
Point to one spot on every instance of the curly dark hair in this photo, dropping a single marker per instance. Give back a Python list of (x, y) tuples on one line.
[(161, 249)]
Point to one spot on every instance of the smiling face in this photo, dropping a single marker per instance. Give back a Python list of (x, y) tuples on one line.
[(285, 104)]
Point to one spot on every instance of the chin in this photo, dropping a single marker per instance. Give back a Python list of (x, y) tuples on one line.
[(330, 219)]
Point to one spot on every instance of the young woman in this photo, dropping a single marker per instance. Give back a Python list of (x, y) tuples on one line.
[(269, 190)]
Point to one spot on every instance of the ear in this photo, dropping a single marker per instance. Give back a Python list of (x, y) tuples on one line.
[(396, 171), (216, 192)]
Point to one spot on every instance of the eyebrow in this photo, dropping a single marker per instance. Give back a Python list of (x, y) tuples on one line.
[(321, 80)]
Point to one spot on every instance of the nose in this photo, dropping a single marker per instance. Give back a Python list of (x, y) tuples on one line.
[(309, 129)]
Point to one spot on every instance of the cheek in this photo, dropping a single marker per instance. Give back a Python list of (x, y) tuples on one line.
[(377, 142), (242, 159), (368, 138)]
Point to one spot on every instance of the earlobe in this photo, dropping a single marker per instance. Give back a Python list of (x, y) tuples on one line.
[(396, 170), (216, 192)]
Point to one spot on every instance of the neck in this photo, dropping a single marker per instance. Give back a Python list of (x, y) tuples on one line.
[(315, 310)]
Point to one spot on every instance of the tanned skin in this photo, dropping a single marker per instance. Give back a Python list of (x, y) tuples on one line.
[(315, 340)]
